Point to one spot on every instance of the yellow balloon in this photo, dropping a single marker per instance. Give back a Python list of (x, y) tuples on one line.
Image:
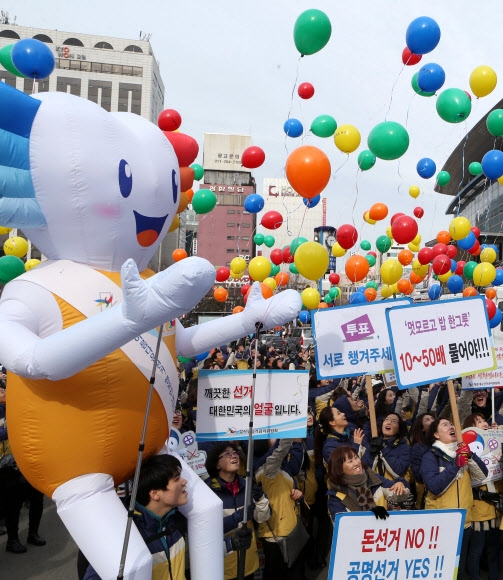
[(236, 276), (444, 277), (310, 297), (500, 180), (30, 264), (311, 259), (347, 138), (483, 81), (394, 289), (4, 231), (174, 224), (459, 228), (417, 240), (419, 269), (386, 291), (484, 274), (368, 219), (413, 247), (389, 233), (488, 255), (338, 251), (16, 246), (391, 271), (414, 191), (259, 268), (271, 282), (238, 266)]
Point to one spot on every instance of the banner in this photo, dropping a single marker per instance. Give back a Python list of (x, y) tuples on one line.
[(487, 445), (224, 403), (489, 379), (407, 545)]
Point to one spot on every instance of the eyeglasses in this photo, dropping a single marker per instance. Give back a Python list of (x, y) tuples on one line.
[(229, 455), (393, 421), (178, 412)]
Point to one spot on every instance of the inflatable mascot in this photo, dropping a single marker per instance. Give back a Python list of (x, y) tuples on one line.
[(96, 192)]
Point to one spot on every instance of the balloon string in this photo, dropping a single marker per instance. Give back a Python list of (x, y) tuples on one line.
[(392, 89), (334, 173)]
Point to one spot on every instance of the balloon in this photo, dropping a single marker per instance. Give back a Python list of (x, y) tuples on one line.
[(470, 291), (425, 255), (419, 269), (204, 201), (453, 105), (346, 236), (388, 140), (296, 242), (416, 88), (310, 298), (15, 246), (30, 264), (293, 128), (484, 274), (451, 251), (460, 267), (488, 255), (491, 308), (312, 31), (304, 317), (366, 160), (175, 224), (417, 240), (443, 178), (423, 35), (10, 267), (367, 218), (313, 202), (322, 305), (254, 203), (443, 237), (496, 319), (222, 274), (308, 170), (459, 228), (282, 279), (415, 279), (490, 293), (391, 271), (408, 58), (405, 286), (347, 138), (494, 122), (33, 58), (264, 289), (476, 231), (293, 269), (274, 269), (418, 212), (190, 194), (435, 291), (431, 77), (455, 284), (305, 90), (327, 299), (334, 292), (383, 244), (276, 256), (258, 239), (338, 251), (252, 157), (475, 249), (186, 148), (198, 171), (404, 229), (370, 294), (475, 168), (405, 257), (414, 191), (357, 298), (492, 164), (426, 168), (441, 264), (414, 248), (370, 259), (271, 282), (365, 245), (356, 268), (6, 60), (5, 231), (269, 241), (271, 220), (238, 265), (439, 249), (311, 260), (259, 268), (468, 270), (378, 211), (334, 278), (323, 126), (389, 233), (482, 81), (220, 294), (183, 202), (169, 120), (237, 309)]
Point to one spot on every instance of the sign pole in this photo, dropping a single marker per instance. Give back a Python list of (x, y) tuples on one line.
[(454, 409), (372, 410)]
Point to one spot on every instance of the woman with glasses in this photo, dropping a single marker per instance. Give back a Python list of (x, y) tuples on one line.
[(222, 465)]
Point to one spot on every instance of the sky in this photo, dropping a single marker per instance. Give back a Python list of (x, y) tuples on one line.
[(232, 67)]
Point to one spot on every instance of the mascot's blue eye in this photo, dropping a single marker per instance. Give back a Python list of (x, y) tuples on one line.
[(125, 178), (174, 184)]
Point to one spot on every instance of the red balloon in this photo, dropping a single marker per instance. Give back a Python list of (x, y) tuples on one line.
[(419, 212), (372, 254), (222, 274), (451, 251), (347, 236), (491, 308), (468, 95), (186, 148), (441, 264), (334, 278), (245, 288), (475, 249), (475, 230), (439, 249), (425, 256), (272, 220), (252, 157), (394, 216), (305, 90), (287, 256), (459, 268), (276, 256), (409, 58), (404, 229), (169, 120)]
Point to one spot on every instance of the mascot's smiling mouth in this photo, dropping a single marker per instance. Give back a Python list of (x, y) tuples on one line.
[(148, 229)]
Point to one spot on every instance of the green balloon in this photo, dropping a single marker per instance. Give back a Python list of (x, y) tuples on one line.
[(372, 284), (258, 239), (443, 178), (365, 245), (274, 270), (269, 241), (324, 126), (333, 292), (312, 31), (327, 299), (293, 268), (204, 201), (494, 122), (10, 267), (388, 140), (468, 270), (453, 105), (366, 160), (416, 88), (475, 168), (383, 244), (6, 60), (198, 171), (184, 359), (295, 244), (370, 259)]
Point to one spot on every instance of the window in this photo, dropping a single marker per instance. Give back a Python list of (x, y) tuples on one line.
[(133, 48), (8, 78), (238, 211), (230, 224), (245, 238), (130, 97), (73, 42), (231, 237), (62, 63), (137, 71), (231, 211), (43, 38), (230, 250), (103, 44), (106, 68), (245, 225), (96, 66), (85, 65), (69, 85), (75, 64), (100, 92), (9, 34), (43, 86), (127, 70)]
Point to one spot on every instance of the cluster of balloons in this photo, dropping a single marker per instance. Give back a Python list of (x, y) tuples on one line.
[(11, 265), (28, 58)]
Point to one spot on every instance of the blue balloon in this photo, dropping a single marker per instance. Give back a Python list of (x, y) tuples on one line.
[(492, 246), (361, 288), (454, 265), (435, 291), (254, 203), (498, 281), (423, 35), (304, 316), (430, 77), (467, 243), (455, 284), (492, 164), (202, 356), (33, 58), (496, 319), (293, 128), (426, 168), (357, 298), (313, 202)]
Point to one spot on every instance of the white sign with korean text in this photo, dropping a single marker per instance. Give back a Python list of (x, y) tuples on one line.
[(224, 402), (224, 152), (405, 546), (486, 443), (488, 379), (353, 340), (441, 340)]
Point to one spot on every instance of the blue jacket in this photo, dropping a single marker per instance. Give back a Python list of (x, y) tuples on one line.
[(396, 453), (335, 440), (416, 457)]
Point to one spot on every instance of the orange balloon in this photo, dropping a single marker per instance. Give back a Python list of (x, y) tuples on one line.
[(179, 254), (237, 309), (266, 291), (322, 305), (405, 257), (405, 286), (308, 171), (370, 293), (490, 293), (443, 237), (183, 203), (477, 251), (415, 279), (470, 291), (220, 294), (186, 178), (357, 268), (378, 211), (282, 278), (190, 194)]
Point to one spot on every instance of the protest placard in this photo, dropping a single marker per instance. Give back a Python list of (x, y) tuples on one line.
[(353, 340), (407, 545), (486, 443), (437, 341), (224, 403), (488, 379)]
